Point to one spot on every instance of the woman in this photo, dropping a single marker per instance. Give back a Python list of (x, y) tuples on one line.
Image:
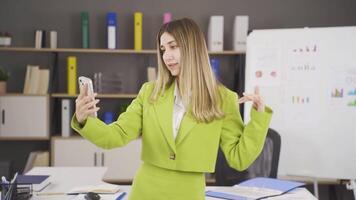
[(183, 117)]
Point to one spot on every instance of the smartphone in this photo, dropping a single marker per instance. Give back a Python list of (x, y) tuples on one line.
[(87, 81)]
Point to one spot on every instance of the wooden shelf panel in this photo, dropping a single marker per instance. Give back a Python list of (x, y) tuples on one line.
[(115, 51), (22, 94), (23, 138), (113, 96), (66, 138), (72, 50)]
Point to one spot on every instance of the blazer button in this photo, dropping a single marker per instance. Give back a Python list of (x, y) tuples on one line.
[(172, 156)]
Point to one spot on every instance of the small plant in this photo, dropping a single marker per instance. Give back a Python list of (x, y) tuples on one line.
[(4, 75)]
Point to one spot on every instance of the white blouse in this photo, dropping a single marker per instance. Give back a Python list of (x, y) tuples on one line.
[(178, 111)]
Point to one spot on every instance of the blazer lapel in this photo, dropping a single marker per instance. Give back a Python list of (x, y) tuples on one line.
[(164, 113), (187, 124)]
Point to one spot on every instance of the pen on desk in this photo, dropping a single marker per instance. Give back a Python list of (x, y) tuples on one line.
[(121, 196)]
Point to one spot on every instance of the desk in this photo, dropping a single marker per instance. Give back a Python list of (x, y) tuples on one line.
[(65, 178)]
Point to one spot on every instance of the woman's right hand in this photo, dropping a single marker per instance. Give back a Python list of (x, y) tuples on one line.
[(85, 105)]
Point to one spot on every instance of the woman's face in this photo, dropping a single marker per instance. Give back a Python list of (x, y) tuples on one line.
[(171, 53)]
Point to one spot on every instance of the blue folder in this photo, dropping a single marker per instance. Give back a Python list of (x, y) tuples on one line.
[(282, 186)]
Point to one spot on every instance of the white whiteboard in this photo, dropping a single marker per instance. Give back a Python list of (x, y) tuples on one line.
[(308, 77)]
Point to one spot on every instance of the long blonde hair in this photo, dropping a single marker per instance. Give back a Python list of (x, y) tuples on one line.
[(197, 84)]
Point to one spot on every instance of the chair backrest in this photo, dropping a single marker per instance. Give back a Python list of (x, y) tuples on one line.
[(266, 164)]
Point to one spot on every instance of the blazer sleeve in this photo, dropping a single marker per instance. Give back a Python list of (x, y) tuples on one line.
[(127, 127), (241, 143)]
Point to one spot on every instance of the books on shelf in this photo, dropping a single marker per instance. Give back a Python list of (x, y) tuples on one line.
[(167, 17), (72, 75), (67, 113), (36, 80), (101, 189), (111, 30), (216, 33), (138, 31), (39, 182), (151, 73), (40, 39), (255, 188), (85, 29)]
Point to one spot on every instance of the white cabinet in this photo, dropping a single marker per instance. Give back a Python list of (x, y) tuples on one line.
[(122, 162), (24, 116), (73, 152)]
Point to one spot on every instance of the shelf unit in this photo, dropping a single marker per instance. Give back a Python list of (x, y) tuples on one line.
[(57, 51), (56, 96)]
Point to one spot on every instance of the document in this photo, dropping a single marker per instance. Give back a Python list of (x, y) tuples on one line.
[(255, 188)]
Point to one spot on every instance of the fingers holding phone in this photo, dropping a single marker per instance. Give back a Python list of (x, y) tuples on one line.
[(85, 104)]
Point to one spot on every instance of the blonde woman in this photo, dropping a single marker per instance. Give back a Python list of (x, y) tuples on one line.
[(183, 117)]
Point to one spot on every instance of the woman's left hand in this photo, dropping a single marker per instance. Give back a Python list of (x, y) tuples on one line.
[(256, 98)]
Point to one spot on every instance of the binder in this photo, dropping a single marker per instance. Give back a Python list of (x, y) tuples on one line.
[(216, 33), (240, 33), (66, 117), (39, 39), (138, 31), (215, 66), (53, 39), (72, 75), (85, 29), (43, 82), (34, 80), (111, 30), (167, 17), (151, 74), (27, 85)]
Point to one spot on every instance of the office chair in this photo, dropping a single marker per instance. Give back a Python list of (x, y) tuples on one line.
[(266, 164)]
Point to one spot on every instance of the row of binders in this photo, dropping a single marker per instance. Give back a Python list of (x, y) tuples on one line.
[(215, 40), (215, 36), (36, 80), (44, 38), (111, 22)]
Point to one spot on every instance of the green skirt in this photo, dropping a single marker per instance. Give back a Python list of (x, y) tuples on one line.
[(155, 183)]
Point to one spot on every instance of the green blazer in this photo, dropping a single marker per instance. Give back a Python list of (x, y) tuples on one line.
[(196, 145)]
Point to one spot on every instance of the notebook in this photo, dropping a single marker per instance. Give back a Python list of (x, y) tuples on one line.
[(255, 188), (39, 182), (101, 189)]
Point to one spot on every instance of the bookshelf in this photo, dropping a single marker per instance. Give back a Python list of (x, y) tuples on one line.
[(56, 93)]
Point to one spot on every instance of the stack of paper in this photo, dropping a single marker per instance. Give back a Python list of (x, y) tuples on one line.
[(36, 80), (255, 188)]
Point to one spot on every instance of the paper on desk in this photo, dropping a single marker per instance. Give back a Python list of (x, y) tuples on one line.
[(255, 188), (102, 196), (242, 192)]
